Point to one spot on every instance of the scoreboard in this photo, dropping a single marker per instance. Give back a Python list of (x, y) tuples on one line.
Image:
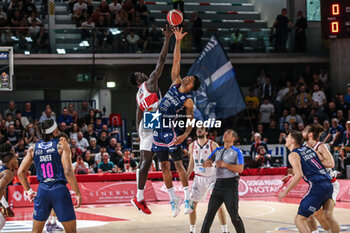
[(335, 19)]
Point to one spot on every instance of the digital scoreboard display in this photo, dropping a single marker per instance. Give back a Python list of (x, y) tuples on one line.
[(335, 19)]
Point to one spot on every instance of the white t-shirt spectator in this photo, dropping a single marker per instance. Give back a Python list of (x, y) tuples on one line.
[(3, 15), (281, 94), (291, 119), (115, 8), (133, 40), (318, 97), (80, 7), (266, 111), (83, 144), (80, 166), (87, 25), (38, 21), (34, 30)]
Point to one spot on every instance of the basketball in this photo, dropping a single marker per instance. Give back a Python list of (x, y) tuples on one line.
[(175, 17)]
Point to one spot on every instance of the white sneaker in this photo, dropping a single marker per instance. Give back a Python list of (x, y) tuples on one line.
[(176, 206), (188, 206)]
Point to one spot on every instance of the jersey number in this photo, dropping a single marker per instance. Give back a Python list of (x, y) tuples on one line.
[(47, 170)]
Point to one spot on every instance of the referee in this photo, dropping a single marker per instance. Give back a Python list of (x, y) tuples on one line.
[(229, 162)]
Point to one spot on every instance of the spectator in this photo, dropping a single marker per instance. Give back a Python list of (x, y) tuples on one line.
[(84, 110), (98, 156), (47, 116), (72, 112), (43, 41), (286, 128), (90, 133), (112, 150), (115, 8), (256, 145), (21, 149), (253, 98), (128, 9), (11, 137), (103, 140), (319, 96), (288, 100), (294, 117), (180, 3), (261, 131), (262, 158), (128, 163), (29, 135), (73, 144), (197, 31), (280, 95), (301, 127), (93, 148), (28, 7), (104, 9), (335, 133), (340, 117), (282, 30), (78, 9), (73, 134), (80, 167), (326, 130), (65, 117), (142, 12), (23, 119), (303, 101), (3, 128), (11, 109), (346, 135), (343, 162), (282, 119), (261, 79), (266, 111), (33, 16), (28, 112), (316, 80), (3, 17), (300, 33), (273, 133), (98, 125), (342, 105), (153, 41), (96, 15), (82, 143), (19, 128), (90, 159), (331, 110), (133, 41), (63, 128), (9, 120), (347, 96), (267, 90), (236, 41), (250, 115), (106, 166)]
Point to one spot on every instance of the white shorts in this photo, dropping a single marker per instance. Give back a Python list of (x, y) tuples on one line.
[(146, 138), (335, 191), (200, 187)]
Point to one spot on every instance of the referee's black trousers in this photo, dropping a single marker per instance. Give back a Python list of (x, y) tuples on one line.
[(225, 190)]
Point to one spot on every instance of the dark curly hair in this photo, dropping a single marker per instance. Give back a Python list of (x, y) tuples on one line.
[(196, 84), (42, 126), (132, 79), (6, 153)]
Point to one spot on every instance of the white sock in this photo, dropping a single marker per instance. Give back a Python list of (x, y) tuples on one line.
[(187, 193), (139, 195), (193, 228), (53, 219), (315, 231), (172, 195), (224, 228)]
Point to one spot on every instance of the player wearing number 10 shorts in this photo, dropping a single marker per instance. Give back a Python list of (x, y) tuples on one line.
[(52, 159)]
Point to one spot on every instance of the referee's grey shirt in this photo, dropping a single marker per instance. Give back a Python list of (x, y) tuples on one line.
[(231, 155)]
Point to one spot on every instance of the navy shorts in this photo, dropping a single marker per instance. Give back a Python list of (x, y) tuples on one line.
[(164, 140), (56, 197), (317, 195)]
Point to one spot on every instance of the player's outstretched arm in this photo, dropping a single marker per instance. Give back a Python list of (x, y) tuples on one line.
[(325, 156), (294, 160), (175, 71), (155, 75), (68, 168), (191, 164)]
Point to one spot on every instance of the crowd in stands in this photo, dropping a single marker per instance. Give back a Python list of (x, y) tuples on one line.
[(94, 145), (275, 106), (21, 22)]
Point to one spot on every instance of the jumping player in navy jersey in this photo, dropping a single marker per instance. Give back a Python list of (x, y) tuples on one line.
[(10, 164), (167, 140), (52, 158), (308, 166)]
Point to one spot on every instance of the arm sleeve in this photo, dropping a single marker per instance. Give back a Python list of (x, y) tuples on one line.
[(213, 154)]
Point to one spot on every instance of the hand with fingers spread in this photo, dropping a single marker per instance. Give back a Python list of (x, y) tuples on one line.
[(178, 33), (167, 32)]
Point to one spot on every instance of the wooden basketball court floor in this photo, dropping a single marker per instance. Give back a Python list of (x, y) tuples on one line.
[(259, 215)]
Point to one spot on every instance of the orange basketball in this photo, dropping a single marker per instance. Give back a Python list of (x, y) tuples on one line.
[(175, 17)]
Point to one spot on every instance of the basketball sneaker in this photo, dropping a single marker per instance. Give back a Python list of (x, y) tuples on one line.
[(56, 227), (188, 206), (141, 206), (48, 227), (176, 206)]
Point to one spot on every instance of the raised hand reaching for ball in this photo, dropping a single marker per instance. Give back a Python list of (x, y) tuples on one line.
[(178, 33)]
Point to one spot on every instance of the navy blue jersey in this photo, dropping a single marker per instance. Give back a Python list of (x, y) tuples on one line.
[(47, 160), (173, 101), (311, 165)]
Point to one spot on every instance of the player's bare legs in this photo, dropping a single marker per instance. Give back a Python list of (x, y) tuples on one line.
[(328, 209), (301, 223), (70, 226), (145, 164), (311, 222), (167, 177), (321, 218), (38, 226), (193, 215), (182, 173)]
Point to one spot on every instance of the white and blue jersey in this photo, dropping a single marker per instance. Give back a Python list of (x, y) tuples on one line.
[(52, 191), (171, 106), (320, 186)]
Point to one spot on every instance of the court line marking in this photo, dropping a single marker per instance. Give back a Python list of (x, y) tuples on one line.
[(264, 220)]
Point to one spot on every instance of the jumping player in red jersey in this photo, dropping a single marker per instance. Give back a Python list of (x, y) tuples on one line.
[(148, 97)]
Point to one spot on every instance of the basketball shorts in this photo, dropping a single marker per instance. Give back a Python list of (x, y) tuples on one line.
[(164, 140), (2, 221), (146, 138), (201, 186), (56, 197), (316, 196), (335, 191)]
